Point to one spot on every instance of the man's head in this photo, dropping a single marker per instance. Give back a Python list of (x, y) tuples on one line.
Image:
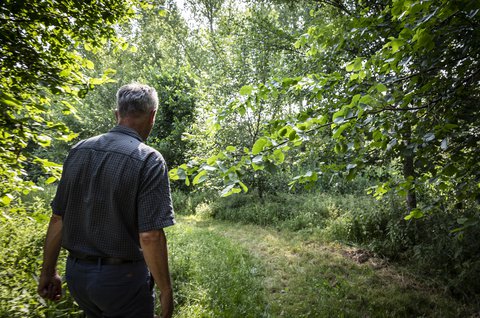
[(136, 107)]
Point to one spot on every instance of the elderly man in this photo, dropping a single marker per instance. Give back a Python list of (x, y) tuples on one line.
[(111, 206)]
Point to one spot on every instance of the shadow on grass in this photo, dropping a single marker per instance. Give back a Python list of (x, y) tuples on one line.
[(304, 277)]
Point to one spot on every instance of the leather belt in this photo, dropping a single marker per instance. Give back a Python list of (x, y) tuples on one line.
[(90, 259)]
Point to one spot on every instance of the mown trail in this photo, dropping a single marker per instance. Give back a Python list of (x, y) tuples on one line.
[(303, 277)]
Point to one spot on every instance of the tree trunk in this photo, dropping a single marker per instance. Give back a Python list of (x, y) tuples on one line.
[(409, 171)]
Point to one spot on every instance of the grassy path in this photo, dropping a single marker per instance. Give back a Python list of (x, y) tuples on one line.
[(302, 277)]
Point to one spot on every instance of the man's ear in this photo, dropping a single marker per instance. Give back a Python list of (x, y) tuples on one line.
[(117, 115), (151, 119)]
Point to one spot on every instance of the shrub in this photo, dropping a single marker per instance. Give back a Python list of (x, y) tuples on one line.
[(185, 203), (23, 234)]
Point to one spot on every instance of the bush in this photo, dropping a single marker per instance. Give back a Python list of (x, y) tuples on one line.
[(23, 229), (185, 203)]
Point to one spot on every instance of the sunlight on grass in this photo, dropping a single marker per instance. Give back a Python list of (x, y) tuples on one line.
[(305, 278), (213, 277)]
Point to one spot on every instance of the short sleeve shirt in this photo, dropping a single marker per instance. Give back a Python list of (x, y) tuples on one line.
[(113, 187)]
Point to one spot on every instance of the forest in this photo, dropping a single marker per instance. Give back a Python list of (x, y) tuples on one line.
[(323, 154)]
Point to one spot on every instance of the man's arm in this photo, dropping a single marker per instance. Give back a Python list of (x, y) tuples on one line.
[(154, 245), (50, 283)]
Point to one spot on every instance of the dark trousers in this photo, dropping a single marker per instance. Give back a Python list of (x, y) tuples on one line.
[(120, 290)]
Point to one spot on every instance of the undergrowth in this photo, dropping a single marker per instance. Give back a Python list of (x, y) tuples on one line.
[(212, 277), (427, 245)]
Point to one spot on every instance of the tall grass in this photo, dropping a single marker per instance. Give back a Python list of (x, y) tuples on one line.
[(212, 277), (23, 227)]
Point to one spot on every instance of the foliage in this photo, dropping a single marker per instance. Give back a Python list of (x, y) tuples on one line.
[(151, 57), (244, 44), (188, 203), (42, 69), (392, 84), (175, 113), (23, 227)]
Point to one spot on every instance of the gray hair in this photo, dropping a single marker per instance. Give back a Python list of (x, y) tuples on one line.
[(136, 99)]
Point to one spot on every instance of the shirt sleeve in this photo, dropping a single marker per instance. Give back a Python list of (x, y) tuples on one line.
[(59, 202), (154, 206)]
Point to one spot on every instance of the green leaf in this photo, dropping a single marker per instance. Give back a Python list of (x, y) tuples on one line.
[(357, 65), (44, 141), (163, 12), (259, 145), (339, 120), (292, 135), (97, 81), (200, 177), (229, 190), (244, 187), (395, 44), (381, 88), (429, 137), (415, 213), (257, 167), (6, 199), (89, 64), (181, 174), (258, 160), (173, 174), (241, 110), (339, 130), (279, 156), (283, 131), (349, 67), (444, 144), (449, 170), (209, 168), (212, 160), (66, 72), (50, 180), (246, 90)]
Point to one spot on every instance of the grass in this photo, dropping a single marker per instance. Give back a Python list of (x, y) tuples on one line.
[(213, 276), (306, 278), (228, 269)]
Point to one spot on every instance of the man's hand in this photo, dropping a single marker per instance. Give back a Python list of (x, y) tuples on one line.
[(50, 287), (154, 246)]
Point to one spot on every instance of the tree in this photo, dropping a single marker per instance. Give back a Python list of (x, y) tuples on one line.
[(395, 83), (42, 72), (408, 95), (250, 43)]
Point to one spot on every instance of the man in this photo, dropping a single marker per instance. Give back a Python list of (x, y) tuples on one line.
[(111, 206)]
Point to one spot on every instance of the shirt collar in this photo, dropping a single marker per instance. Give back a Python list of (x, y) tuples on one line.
[(127, 131)]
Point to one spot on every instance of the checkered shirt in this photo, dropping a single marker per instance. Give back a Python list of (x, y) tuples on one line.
[(113, 187)]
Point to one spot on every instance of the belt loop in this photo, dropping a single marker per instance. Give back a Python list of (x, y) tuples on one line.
[(99, 263)]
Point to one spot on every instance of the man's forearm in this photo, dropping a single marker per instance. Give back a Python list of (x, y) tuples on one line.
[(52, 246), (50, 283), (154, 245)]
